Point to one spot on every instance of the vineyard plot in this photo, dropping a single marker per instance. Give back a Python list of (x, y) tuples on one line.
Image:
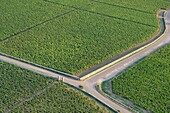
[(147, 84), (25, 91), (17, 84), (19, 15), (88, 32), (76, 41)]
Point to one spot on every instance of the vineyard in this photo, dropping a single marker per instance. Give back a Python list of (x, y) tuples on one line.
[(18, 15), (148, 83), (24, 91), (72, 36)]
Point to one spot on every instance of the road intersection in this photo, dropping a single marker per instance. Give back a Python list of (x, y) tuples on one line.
[(90, 83)]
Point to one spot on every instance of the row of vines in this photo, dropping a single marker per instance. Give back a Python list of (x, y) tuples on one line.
[(148, 83), (80, 39), (19, 84)]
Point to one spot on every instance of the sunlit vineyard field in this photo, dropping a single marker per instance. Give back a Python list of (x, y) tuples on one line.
[(61, 99), (148, 83), (17, 15), (24, 91), (74, 35)]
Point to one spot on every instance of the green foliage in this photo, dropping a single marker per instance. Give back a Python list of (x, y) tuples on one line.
[(17, 15), (150, 6), (61, 99), (147, 83), (78, 40), (19, 84)]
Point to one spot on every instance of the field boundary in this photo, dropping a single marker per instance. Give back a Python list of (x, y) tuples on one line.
[(128, 53), (106, 64), (36, 25), (73, 9), (116, 5), (92, 97), (40, 66), (119, 100), (101, 14), (101, 88), (30, 97)]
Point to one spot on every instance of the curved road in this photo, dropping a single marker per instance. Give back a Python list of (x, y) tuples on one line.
[(90, 83)]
